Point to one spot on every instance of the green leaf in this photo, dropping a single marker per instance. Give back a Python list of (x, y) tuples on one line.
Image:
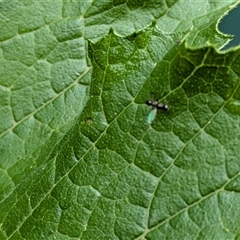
[(78, 158)]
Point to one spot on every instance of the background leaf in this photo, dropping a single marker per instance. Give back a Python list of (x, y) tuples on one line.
[(78, 159)]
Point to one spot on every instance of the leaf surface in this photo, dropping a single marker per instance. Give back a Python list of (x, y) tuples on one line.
[(78, 158)]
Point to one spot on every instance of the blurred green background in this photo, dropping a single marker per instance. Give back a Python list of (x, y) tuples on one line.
[(230, 24)]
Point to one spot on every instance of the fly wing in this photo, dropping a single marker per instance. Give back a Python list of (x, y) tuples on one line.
[(151, 116)]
